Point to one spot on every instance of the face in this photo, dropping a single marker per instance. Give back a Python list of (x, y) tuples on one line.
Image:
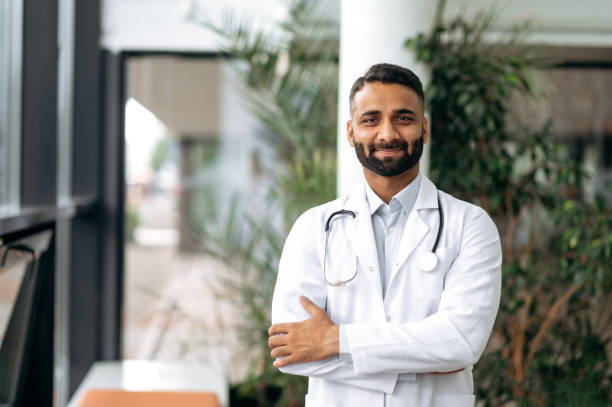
[(387, 128)]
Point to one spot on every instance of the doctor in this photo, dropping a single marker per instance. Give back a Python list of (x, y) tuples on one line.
[(387, 296)]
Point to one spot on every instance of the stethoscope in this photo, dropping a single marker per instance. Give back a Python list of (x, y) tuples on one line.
[(427, 262)]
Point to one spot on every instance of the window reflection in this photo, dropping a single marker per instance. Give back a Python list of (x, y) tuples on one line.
[(10, 102)]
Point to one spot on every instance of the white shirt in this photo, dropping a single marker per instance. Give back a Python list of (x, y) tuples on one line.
[(388, 222)]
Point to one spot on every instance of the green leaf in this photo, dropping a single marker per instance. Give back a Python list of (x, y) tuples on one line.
[(569, 205), (573, 242)]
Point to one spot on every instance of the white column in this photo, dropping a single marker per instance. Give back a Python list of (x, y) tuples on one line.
[(372, 32)]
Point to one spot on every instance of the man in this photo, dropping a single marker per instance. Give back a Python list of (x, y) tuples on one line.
[(362, 305)]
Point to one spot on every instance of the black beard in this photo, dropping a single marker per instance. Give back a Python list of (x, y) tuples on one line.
[(389, 166)]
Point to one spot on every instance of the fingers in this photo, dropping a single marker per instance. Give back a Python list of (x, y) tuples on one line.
[(287, 360), (284, 328), (280, 351), (309, 306), (277, 340), (279, 329)]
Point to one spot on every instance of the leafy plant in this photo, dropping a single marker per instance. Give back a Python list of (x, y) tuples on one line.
[(557, 249), (291, 88)]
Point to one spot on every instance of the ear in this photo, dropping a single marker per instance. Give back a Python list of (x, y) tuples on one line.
[(349, 133), (425, 130)]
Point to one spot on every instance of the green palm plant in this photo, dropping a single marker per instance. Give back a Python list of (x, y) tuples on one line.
[(290, 82)]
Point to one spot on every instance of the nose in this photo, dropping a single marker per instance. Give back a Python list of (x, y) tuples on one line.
[(388, 131)]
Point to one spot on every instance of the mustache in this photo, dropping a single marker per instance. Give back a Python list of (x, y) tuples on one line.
[(388, 145)]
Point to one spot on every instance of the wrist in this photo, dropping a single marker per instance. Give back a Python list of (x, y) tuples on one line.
[(333, 340)]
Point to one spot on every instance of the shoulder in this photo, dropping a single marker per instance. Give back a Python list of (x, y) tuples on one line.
[(309, 227), (467, 216), (313, 220), (457, 205)]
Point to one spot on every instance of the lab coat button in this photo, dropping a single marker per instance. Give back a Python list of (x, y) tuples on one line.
[(371, 268)]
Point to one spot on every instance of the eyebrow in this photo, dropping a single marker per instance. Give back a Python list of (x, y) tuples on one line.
[(404, 111), (396, 111), (369, 113)]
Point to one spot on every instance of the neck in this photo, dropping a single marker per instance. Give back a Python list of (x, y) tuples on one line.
[(387, 187)]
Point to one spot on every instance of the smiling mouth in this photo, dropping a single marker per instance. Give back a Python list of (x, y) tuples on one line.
[(389, 151)]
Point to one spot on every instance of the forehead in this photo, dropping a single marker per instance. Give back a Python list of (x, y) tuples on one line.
[(386, 98)]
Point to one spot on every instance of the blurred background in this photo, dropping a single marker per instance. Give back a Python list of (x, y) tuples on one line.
[(155, 153)]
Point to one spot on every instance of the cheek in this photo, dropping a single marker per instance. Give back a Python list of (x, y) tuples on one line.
[(359, 149), (364, 136), (411, 137), (362, 150)]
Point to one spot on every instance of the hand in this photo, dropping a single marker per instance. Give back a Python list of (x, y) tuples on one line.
[(313, 339)]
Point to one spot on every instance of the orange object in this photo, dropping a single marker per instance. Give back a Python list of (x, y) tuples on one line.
[(122, 398)]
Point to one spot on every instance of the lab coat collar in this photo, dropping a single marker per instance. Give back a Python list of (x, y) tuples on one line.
[(428, 195), (374, 201), (356, 198)]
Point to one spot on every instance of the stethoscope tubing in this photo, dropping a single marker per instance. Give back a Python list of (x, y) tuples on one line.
[(340, 283), (327, 226), (440, 226)]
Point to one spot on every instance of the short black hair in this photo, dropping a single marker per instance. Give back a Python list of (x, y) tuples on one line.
[(388, 74)]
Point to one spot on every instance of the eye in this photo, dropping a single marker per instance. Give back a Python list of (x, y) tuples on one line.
[(369, 120), (405, 119)]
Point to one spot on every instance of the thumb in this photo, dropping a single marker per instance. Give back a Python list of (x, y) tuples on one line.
[(309, 306)]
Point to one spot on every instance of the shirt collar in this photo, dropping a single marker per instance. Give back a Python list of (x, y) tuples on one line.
[(374, 200), (406, 197)]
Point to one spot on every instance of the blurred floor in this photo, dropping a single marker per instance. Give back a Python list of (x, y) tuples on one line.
[(172, 310)]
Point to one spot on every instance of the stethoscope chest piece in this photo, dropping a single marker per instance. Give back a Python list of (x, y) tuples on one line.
[(428, 261)]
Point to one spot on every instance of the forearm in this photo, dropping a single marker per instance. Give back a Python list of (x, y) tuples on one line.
[(339, 370), (408, 348)]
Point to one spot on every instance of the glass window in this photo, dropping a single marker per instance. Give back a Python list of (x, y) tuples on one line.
[(578, 101), (191, 154), (10, 102)]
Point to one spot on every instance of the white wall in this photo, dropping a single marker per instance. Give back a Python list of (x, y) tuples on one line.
[(173, 25)]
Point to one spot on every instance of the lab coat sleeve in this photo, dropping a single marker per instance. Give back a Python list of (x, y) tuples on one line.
[(455, 336), (300, 273)]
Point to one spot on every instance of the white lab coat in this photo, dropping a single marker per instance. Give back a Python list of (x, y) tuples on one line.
[(428, 321)]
